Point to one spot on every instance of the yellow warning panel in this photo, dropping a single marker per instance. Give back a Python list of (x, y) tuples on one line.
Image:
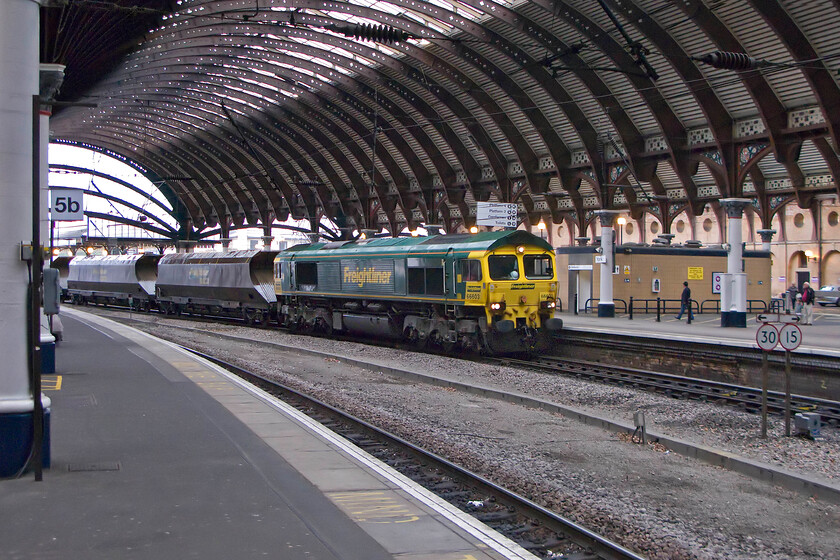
[(51, 383), (695, 272), (375, 507)]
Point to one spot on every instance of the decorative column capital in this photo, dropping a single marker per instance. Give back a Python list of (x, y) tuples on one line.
[(766, 235), (582, 240), (186, 245), (734, 207), (51, 76), (607, 217)]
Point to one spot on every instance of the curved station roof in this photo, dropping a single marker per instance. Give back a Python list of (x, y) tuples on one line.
[(393, 114)]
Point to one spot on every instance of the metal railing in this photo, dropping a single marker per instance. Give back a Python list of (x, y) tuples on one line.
[(661, 306)]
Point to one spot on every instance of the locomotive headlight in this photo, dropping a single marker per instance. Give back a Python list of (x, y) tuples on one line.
[(497, 306), (520, 249), (548, 304)]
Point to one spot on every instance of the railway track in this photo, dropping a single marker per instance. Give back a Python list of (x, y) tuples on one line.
[(542, 532), (747, 398)]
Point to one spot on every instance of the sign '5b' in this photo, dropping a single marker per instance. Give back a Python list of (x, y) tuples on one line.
[(67, 205)]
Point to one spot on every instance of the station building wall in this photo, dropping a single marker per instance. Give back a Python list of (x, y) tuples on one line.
[(805, 238), (639, 267)]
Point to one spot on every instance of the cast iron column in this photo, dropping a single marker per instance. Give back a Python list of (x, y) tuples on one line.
[(733, 295), (606, 305)]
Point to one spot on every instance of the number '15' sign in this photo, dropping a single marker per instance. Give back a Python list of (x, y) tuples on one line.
[(67, 205)]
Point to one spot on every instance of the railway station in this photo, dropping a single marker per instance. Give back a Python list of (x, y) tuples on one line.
[(429, 280)]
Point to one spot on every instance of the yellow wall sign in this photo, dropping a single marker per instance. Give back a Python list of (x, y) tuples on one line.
[(695, 272)]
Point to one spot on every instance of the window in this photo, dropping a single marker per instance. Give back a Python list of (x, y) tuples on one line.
[(799, 220), (707, 225), (470, 270), (537, 267), (833, 219), (654, 227), (307, 276), (680, 226), (424, 277), (503, 267)]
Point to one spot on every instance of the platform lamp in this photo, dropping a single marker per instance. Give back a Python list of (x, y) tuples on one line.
[(541, 227), (621, 221)]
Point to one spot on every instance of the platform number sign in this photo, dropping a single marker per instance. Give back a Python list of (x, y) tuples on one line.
[(67, 205), (790, 337), (767, 337)]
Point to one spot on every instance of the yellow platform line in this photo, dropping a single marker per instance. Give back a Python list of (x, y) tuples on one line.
[(51, 382)]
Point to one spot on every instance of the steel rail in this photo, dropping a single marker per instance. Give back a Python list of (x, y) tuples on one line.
[(678, 386), (600, 546)]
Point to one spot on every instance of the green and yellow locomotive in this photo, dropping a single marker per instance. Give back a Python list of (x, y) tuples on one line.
[(492, 291)]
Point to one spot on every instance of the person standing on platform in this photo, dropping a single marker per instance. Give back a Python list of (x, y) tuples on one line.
[(791, 298), (807, 304), (685, 303)]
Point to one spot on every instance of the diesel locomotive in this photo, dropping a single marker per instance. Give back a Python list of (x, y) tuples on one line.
[(492, 292)]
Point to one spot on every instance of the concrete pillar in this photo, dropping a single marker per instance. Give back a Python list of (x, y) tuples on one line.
[(606, 305), (19, 32), (766, 238), (267, 239), (733, 295)]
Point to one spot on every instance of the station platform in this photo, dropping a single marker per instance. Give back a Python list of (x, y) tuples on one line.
[(159, 454), (822, 338)]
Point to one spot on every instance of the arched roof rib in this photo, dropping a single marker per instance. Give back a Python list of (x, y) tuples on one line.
[(175, 54), (205, 107), (275, 113), (74, 169)]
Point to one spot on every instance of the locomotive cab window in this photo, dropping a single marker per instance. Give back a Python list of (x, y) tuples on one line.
[(307, 276), (503, 267), (469, 270), (537, 267), (425, 277)]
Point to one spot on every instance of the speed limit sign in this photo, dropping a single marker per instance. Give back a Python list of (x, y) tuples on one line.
[(767, 337), (790, 337)]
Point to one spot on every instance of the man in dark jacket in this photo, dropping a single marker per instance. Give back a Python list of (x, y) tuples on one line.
[(685, 303), (790, 301), (807, 304)]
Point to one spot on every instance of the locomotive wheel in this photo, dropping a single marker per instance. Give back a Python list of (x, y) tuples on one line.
[(449, 347), (411, 335), (323, 327)]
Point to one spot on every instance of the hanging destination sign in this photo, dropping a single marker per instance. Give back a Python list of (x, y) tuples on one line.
[(497, 214)]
